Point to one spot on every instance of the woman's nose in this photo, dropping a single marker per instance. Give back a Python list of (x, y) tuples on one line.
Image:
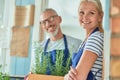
[(85, 17)]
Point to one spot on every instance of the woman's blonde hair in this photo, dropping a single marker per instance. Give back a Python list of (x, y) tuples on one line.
[(99, 8)]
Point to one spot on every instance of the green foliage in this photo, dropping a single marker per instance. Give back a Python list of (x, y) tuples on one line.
[(41, 65), (3, 76), (58, 68), (43, 61), (39, 69)]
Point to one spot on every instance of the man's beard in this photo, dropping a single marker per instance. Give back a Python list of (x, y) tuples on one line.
[(53, 34)]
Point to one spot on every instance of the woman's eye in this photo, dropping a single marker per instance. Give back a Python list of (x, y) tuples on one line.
[(81, 13), (92, 13)]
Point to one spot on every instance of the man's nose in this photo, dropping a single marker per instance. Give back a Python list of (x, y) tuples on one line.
[(48, 23)]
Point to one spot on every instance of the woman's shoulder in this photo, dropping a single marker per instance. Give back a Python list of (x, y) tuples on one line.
[(97, 33), (96, 36), (95, 43)]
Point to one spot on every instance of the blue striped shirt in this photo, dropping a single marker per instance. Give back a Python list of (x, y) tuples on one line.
[(94, 44)]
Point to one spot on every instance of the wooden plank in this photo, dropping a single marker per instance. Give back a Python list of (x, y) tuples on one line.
[(20, 42), (24, 15), (44, 77)]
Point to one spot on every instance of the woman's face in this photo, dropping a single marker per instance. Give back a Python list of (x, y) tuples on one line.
[(89, 17)]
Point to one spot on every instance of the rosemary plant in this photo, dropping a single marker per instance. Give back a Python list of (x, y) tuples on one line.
[(43, 62), (61, 67)]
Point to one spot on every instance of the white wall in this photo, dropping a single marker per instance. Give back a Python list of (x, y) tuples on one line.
[(67, 9)]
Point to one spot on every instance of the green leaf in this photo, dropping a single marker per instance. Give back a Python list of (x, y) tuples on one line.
[(42, 62)]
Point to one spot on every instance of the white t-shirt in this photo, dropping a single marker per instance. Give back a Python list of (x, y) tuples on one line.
[(94, 44), (73, 44)]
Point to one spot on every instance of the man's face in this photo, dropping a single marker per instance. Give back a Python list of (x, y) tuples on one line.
[(50, 23)]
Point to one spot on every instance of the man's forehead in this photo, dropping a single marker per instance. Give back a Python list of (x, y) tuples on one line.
[(46, 15)]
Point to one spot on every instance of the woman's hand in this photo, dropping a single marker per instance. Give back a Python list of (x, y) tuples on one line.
[(26, 77), (72, 74)]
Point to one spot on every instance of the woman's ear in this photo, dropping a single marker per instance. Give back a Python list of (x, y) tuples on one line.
[(60, 19), (100, 17)]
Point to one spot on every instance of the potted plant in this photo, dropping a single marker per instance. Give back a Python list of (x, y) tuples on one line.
[(42, 61), (3, 76)]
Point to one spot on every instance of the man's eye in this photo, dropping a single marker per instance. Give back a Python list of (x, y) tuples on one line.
[(51, 18), (44, 22)]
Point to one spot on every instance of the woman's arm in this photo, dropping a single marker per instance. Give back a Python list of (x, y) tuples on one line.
[(93, 48), (85, 64), (83, 68)]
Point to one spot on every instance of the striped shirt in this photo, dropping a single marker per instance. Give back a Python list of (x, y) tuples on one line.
[(94, 44)]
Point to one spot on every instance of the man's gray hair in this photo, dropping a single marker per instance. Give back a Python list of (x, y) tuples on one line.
[(50, 9)]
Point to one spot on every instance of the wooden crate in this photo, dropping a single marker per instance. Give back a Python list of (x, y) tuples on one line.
[(44, 77)]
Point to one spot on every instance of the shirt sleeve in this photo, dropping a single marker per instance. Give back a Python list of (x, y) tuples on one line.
[(94, 43)]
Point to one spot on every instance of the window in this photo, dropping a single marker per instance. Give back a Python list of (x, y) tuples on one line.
[(6, 21), (1, 25)]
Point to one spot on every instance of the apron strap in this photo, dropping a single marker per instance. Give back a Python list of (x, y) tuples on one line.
[(45, 49), (96, 29), (65, 41)]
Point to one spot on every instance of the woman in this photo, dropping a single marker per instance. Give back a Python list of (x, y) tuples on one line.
[(87, 63)]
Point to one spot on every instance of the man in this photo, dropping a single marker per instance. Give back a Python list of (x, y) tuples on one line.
[(50, 22)]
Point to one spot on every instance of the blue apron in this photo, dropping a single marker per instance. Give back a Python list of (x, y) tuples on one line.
[(52, 54), (76, 57)]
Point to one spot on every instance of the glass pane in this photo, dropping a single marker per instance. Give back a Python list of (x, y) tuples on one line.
[(1, 11), (1, 23), (70, 24)]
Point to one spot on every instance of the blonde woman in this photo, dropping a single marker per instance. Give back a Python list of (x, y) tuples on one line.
[(87, 63)]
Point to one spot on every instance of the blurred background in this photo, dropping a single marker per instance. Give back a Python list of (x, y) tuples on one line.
[(19, 27)]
